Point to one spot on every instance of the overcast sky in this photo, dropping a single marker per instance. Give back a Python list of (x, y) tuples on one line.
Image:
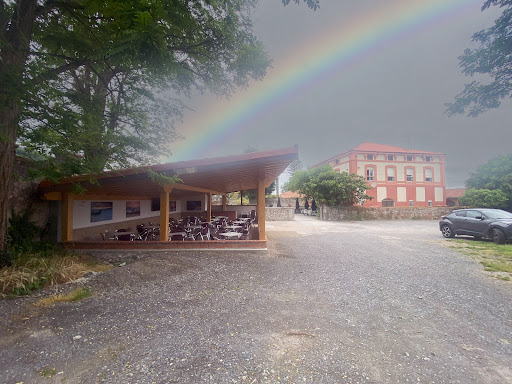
[(388, 85)]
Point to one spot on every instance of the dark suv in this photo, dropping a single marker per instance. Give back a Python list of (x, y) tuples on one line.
[(493, 224)]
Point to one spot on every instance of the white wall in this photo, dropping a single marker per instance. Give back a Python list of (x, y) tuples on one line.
[(82, 211)]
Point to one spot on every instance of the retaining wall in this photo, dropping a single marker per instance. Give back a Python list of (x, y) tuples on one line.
[(381, 213), (279, 213)]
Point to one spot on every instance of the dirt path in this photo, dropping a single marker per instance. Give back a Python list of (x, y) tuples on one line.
[(375, 302)]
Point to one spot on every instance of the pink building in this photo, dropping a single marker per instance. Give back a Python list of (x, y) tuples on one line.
[(398, 176)]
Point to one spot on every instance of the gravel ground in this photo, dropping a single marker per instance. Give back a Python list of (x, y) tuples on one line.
[(364, 302)]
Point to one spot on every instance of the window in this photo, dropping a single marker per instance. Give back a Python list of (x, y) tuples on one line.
[(474, 214), (337, 161), (391, 174), (411, 203), (369, 157), (409, 158), (428, 158), (370, 174), (428, 175), (430, 203), (391, 157), (410, 174)]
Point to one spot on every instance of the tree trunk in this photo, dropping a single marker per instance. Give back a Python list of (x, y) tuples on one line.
[(13, 57)]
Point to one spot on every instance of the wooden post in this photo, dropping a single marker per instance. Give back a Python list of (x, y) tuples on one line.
[(67, 217), (209, 208), (164, 214), (261, 206), (224, 202)]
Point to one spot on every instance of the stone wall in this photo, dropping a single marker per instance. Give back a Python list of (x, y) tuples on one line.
[(380, 213), (279, 213), (24, 195)]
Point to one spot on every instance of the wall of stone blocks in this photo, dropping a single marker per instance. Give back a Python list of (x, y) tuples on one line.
[(379, 213), (279, 213)]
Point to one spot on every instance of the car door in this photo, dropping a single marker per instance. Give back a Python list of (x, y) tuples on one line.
[(457, 219), (476, 223)]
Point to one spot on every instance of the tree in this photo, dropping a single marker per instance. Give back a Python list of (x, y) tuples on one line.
[(496, 175), (326, 186), (484, 198), (313, 4), (83, 76), (491, 58)]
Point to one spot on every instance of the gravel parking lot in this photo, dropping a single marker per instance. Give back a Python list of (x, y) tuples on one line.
[(364, 302)]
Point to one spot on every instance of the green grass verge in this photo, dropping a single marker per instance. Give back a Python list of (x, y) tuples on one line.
[(496, 258)]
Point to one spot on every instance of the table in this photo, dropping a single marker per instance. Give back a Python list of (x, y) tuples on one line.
[(233, 227), (230, 235)]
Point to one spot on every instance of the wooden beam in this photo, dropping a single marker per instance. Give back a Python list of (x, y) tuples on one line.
[(67, 217), (110, 197), (164, 215), (193, 189), (261, 206), (52, 196), (224, 202)]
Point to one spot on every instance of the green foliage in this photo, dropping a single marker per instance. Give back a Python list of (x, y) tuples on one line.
[(24, 237), (161, 179), (492, 59), (313, 4), (495, 175), (22, 232), (295, 166), (484, 198), (106, 77), (328, 187)]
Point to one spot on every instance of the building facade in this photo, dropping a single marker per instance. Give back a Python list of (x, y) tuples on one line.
[(398, 177)]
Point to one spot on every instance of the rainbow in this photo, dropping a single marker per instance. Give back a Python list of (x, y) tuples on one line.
[(341, 49)]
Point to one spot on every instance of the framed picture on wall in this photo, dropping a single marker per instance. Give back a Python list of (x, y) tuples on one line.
[(172, 206), (193, 205), (132, 208), (101, 211)]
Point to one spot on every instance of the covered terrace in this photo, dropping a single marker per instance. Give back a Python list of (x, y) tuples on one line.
[(125, 197)]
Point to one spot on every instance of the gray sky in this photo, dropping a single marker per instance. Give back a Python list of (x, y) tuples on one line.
[(388, 89)]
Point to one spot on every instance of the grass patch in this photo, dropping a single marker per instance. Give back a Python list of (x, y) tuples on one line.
[(77, 295), (30, 271), (496, 258), (47, 372)]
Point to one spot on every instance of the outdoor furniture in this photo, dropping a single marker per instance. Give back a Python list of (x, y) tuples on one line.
[(230, 235), (233, 228), (177, 236)]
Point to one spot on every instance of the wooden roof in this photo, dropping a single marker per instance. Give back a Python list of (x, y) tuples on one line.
[(215, 175)]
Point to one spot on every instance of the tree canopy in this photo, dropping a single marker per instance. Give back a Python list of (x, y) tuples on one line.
[(492, 59), (484, 198), (328, 187), (494, 181)]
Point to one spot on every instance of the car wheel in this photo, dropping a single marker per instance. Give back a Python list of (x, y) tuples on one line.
[(498, 236), (447, 232)]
